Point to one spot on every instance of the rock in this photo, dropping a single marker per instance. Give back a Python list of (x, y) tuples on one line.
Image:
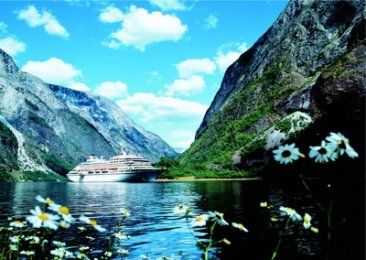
[(54, 128), (309, 64), (307, 36)]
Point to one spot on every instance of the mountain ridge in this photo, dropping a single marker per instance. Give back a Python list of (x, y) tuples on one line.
[(283, 74), (54, 128)]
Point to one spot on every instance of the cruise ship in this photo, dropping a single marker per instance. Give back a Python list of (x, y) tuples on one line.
[(123, 167)]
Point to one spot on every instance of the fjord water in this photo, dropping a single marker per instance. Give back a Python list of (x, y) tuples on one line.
[(152, 225)]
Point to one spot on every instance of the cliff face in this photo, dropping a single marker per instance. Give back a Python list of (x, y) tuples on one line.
[(307, 67), (113, 124), (50, 128)]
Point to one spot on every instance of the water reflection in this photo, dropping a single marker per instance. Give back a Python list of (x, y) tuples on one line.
[(153, 227)]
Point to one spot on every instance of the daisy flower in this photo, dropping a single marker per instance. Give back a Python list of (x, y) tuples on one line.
[(219, 217), (200, 220), (82, 228), (64, 224), (14, 239), (32, 239), (226, 241), (307, 219), (120, 235), (84, 248), (263, 204), (62, 253), (13, 247), (123, 251), (42, 219), (80, 255), (46, 201), (90, 238), (125, 213), (93, 223), (62, 211), (315, 230), (181, 209), (239, 226), (27, 252), (323, 153), (59, 243), (291, 213), (342, 144), (287, 154), (18, 224)]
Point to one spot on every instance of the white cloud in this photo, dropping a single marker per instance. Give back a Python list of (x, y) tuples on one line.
[(225, 58), (182, 139), (141, 28), (34, 18), (210, 22), (191, 67), (113, 44), (12, 46), (112, 90), (154, 77), (150, 107), (187, 87), (111, 15), (79, 86), (167, 5), (3, 27), (54, 71)]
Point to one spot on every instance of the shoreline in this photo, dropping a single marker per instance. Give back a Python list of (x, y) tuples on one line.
[(192, 179)]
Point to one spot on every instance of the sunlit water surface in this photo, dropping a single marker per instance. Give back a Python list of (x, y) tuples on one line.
[(154, 229)]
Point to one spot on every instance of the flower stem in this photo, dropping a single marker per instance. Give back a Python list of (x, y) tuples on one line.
[(311, 192), (274, 254)]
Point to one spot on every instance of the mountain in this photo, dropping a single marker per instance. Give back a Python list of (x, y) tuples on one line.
[(304, 77), (46, 129)]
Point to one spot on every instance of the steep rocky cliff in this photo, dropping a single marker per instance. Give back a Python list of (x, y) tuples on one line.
[(306, 72), (47, 128)]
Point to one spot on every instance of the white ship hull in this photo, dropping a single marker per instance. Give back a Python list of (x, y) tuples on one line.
[(127, 168), (114, 177)]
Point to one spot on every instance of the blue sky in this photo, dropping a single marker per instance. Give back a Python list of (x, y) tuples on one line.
[(161, 61)]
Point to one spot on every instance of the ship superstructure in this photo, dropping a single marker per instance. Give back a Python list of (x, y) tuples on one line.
[(123, 167)]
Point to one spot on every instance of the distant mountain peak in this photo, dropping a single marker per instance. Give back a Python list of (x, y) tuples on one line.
[(52, 128), (7, 64)]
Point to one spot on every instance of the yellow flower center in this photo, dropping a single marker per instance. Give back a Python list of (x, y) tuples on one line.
[(290, 211), (263, 204), (274, 219), (314, 229), (64, 210), (49, 201), (240, 225), (120, 235), (93, 222), (43, 216), (199, 219)]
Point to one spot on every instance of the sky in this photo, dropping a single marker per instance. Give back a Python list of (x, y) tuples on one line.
[(161, 61)]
